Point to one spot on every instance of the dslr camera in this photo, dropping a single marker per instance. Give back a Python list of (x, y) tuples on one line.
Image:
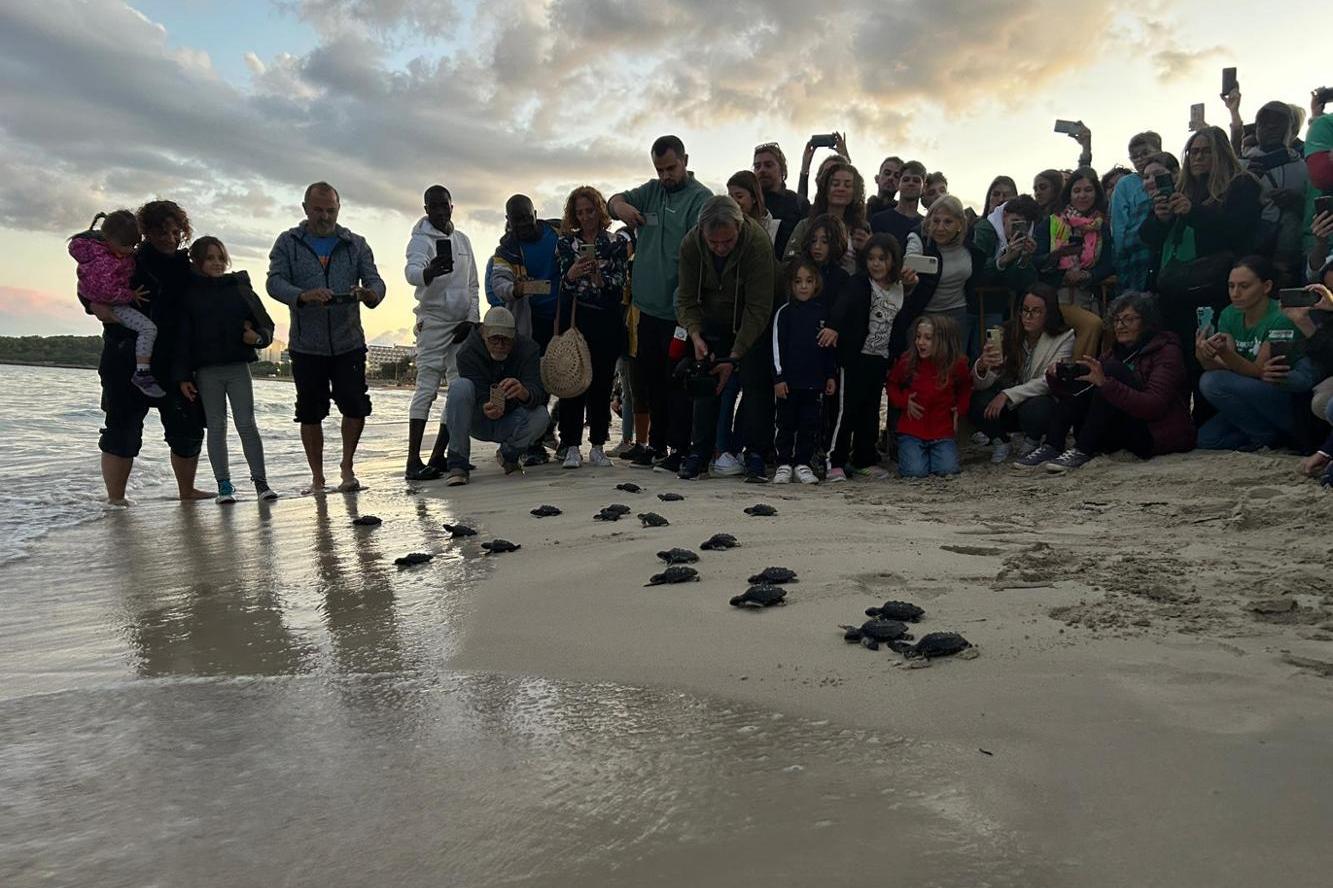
[(1070, 372), (697, 376)]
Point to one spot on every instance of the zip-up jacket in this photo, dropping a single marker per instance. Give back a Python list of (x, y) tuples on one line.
[(103, 276), (798, 359), (668, 217), (476, 365), (213, 313), (451, 297), (294, 267), (740, 299), (850, 316), (939, 402)]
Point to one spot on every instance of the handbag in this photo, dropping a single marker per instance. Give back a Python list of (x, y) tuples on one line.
[(1185, 277), (566, 368)]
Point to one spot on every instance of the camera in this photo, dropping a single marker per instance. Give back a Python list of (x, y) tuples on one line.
[(697, 376), (1324, 95), (1070, 371)]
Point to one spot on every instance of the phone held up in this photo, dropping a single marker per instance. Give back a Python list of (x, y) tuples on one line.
[(587, 251), (1324, 95), (1196, 117), (922, 264), (1323, 204), (824, 140), (444, 250), (1165, 184), (1229, 81), (1295, 297), (1068, 127)]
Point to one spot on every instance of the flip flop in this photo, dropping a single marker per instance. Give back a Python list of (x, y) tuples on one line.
[(351, 485)]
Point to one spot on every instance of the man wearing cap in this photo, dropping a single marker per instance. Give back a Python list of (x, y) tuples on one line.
[(498, 396)]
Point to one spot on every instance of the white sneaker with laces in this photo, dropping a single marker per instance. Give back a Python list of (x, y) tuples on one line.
[(726, 465), (573, 459), (806, 475), (980, 438), (782, 475), (1000, 454), (597, 458)]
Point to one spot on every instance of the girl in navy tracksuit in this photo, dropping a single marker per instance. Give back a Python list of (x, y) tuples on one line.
[(803, 371)]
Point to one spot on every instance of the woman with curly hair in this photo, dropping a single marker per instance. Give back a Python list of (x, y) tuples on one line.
[(592, 264), (842, 194)]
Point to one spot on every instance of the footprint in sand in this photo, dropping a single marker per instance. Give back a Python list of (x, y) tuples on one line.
[(973, 550)]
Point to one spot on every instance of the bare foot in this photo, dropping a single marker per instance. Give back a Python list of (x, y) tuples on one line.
[(120, 503), (195, 494), (316, 488)]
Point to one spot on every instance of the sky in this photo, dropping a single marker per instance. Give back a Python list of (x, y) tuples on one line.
[(230, 109)]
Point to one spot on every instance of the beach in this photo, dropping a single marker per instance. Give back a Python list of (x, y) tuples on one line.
[(196, 695)]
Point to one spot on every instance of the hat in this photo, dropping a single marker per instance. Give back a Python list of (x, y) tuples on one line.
[(499, 321)]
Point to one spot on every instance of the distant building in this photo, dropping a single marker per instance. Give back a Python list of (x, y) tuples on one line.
[(275, 353), (379, 355)]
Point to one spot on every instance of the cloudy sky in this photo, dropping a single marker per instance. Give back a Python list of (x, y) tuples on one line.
[(232, 108)]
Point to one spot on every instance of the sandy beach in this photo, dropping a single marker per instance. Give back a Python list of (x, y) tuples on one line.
[(257, 695)]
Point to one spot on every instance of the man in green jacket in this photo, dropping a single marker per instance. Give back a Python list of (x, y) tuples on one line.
[(725, 299), (660, 211)]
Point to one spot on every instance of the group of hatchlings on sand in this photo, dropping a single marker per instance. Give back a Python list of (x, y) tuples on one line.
[(887, 624)]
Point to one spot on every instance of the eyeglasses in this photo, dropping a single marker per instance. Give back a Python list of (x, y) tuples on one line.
[(767, 146), (498, 340), (1032, 312), (1125, 321)]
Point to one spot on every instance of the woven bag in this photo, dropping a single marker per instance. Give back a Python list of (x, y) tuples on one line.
[(567, 366)]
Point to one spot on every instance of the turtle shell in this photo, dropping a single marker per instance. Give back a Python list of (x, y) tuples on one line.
[(413, 558), (678, 556), (670, 497), (606, 515), (941, 644), (545, 511), (652, 519), (495, 547), (629, 487), (897, 610), (761, 509), (367, 521), (674, 574), (774, 575), (460, 530), (762, 595), (883, 630), (719, 541), (618, 508)]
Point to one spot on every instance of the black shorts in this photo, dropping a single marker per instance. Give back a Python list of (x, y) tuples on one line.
[(319, 377), (126, 407)]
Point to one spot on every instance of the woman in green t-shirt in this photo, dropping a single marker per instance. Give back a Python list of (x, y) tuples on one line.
[(1246, 376)]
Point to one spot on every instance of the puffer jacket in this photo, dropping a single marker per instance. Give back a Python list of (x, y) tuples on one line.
[(294, 267), (104, 277), (213, 314), (1163, 399)]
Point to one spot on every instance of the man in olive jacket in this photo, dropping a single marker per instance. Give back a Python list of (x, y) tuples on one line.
[(724, 302)]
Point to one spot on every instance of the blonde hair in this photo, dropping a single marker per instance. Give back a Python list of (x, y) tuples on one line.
[(1225, 170), (950, 206), (948, 346)]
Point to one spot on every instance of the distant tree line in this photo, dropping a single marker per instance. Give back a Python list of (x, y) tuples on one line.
[(70, 351)]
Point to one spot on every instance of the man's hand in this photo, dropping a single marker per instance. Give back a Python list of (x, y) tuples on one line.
[(512, 388), (440, 265), (914, 408), (828, 338), (364, 294), (723, 373), (189, 391), (317, 296), (103, 313), (625, 213), (700, 347), (997, 405), (492, 411), (780, 390), (249, 336)]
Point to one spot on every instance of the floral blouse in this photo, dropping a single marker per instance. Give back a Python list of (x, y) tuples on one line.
[(612, 262)]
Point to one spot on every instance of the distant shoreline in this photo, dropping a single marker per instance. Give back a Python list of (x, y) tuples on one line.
[(59, 364), (373, 383)]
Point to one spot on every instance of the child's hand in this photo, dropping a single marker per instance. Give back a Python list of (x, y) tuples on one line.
[(780, 390), (141, 296), (909, 279), (828, 337), (914, 408), (830, 387), (189, 391)]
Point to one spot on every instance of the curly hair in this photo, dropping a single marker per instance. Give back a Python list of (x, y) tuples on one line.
[(569, 223), (154, 216), (833, 229), (856, 210)]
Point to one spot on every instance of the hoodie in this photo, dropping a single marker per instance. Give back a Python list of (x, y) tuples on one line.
[(294, 267), (449, 298), (104, 277), (739, 299), (798, 359)]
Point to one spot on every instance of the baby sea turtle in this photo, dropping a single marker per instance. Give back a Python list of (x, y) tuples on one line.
[(652, 519), (608, 515), (774, 575), (719, 541), (935, 644), (670, 497), (872, 633), (629, 487), (413, 558), (459, 530), (897, 610), (762, 595), (618, 508), (495, 547), (678, 556), (545, 511), (674, 574), (761, 509), (367, 521)]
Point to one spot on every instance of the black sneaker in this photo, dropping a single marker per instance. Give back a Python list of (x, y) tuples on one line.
[(1071, 459), (670, 463), (633, 453), (755, 470), (691, 468), (422, 473), (266, 493), (644, 460), (537, 456), (1042, 455)]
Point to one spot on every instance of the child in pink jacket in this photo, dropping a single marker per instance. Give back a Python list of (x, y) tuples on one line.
[(106, 264)]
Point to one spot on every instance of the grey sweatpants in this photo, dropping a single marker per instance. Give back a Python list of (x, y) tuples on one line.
[(217, 385), (131, 317)]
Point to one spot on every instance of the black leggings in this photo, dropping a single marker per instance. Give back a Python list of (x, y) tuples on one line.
[(1098, 426), (665, 401), (604, 333), (1032, 416), (856, 430)]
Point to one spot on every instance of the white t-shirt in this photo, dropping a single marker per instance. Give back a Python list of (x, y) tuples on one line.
[(884, 308)]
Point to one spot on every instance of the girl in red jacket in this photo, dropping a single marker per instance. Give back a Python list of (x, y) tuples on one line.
[(931, 385)]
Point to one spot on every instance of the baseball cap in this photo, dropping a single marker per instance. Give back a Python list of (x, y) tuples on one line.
[(499, 321)]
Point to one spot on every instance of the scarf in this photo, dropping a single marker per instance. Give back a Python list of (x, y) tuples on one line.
[(996, 219), (1072, 222)]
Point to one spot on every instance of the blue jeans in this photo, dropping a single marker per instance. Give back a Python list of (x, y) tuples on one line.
[(514, 432), (726, 418), (917, 458), (1250, 412)]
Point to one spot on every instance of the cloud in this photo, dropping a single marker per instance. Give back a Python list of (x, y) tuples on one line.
[(29, 312)]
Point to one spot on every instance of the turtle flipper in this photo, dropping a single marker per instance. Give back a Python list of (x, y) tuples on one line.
[(870, 643)]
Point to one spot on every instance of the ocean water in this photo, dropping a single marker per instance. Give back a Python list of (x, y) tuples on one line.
[(50, 474)]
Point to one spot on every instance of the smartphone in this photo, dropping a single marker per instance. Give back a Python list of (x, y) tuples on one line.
[(587, 251), (343, 298), (444, 249), (922, 264), (1203, 320), (995, 337), (1323, 204), (1324, 95), (1229, 81), (497, 397), (1068, 127), (1295, 297), (1196, 117), (824, 140), (1281, 343), (1165, 184)]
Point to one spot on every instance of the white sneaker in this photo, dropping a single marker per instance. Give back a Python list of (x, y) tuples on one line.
[(573, 459), (782, 475), (1000, 454), (980, 438), (597, 458), (805, 475), (726, 465)]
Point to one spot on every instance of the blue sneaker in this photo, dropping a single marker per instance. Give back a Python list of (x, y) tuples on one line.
[(691, 468), (755, 472), (226, 493)]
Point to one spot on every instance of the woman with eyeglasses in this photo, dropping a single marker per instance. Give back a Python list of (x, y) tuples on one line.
[(1134, 397), (1199, 229), (1010, 391)]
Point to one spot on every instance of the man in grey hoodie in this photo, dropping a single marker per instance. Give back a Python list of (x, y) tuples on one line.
[(324, 273)]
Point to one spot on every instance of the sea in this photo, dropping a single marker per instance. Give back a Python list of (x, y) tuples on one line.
[(50, 472)]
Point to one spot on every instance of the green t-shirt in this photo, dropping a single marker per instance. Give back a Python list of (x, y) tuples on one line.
[(1318, 139), (1248, 339)]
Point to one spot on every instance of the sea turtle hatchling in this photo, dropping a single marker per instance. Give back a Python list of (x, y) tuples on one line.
[(545, 511), (935, 644), (674, 574), (652, 519), (775, 575), (670, 497), (459, 530), (761, 510), (873, 633), (897, 610), (718, 542), (629, 487), (608, 515), (413, 558), (495, 547), (678, 556), (762, 595), (367, 521)]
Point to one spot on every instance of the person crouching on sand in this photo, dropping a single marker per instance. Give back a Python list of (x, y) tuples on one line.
[(932, 387)]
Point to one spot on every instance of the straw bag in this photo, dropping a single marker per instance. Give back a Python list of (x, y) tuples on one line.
[(567, 366)]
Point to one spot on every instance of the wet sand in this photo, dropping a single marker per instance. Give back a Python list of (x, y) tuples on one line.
[(276, 703)]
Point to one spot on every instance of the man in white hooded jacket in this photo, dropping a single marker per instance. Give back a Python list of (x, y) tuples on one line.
[(442, 267)]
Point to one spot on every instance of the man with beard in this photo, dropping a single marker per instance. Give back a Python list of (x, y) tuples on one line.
[(770, 167), (886, 180)]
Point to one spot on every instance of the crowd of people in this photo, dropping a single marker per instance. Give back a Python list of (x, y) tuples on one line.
[(1173, 304)]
